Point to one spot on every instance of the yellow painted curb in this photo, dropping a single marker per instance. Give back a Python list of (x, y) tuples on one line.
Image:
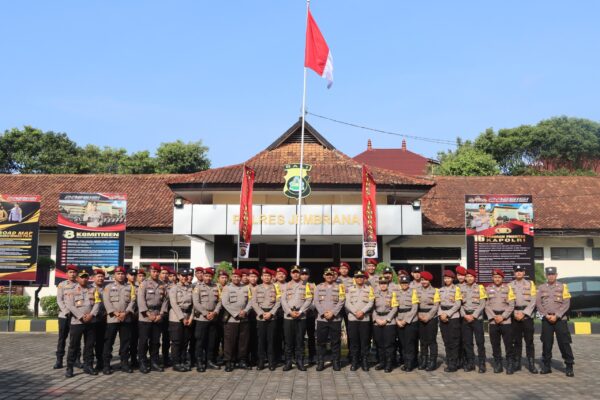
[(52, 325), (583, 328), (23, 325)]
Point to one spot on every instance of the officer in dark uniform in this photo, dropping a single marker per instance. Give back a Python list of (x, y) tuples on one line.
[(553, 302)]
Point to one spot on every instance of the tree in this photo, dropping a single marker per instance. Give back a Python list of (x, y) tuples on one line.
[(180, 158), (466, 160)]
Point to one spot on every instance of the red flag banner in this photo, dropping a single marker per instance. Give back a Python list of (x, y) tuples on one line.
[(369, 208), (317, 55), (245, 227)]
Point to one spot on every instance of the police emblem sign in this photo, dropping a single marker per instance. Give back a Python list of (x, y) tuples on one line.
[(297, 180)]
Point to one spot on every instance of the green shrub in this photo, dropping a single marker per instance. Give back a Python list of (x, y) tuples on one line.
[(223, 266), (19, 304), (49, 306), (540, 274)]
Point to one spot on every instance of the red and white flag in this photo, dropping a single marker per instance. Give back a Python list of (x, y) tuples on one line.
[(317, 55)]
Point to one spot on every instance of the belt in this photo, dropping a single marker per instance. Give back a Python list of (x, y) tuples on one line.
[(154, 308), (496, 312), (295, 309), (469, 312), (381, 313), (424, 310), (446, 308), (520, 308), (402, 310), (186, 310), (267, 309)]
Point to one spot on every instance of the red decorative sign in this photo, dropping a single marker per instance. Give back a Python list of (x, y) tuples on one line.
[(245, 227), (369, 208)]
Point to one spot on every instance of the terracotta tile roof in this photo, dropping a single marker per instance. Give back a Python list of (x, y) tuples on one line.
[(149, 199), (400, 160), (559, 202)]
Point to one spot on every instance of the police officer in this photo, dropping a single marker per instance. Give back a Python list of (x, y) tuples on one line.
[(359, 305), (100, 325), (296, 299), (165, 340), (83, 305), (311, 319), (329, 301), (152, 306), (406, 321), (522, 319), (180, 319), (460, 281), (499, 309), (384, 324), (253, 344), (119, 302), (234, 299), (429, 302), (64, 316), (553, 302), (449, 316), (222, 281), (373, 278), (207, 306), (474, 299), (388, 273), (415, 274), (135, 276), (280, 281), (266, 301)]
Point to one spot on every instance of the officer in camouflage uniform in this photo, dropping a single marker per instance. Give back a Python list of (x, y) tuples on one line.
[(553, 302), (449, 316), (329, 301), (499, 309), (406, 322), (359, 305), (522, 319), (474, 299)]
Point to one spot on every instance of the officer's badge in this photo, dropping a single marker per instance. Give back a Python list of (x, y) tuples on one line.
[(296, 180)]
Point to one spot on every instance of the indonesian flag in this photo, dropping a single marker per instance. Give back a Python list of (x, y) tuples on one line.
[(317, 55)]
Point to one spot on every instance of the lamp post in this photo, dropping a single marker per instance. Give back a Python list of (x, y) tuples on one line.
[(175, 260)]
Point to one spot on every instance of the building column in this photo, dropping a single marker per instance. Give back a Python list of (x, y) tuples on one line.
[(201, 253)]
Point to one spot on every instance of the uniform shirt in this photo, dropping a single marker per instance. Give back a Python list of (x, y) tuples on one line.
[(359, 299), (415, 284), (329, 297), (249, 310), (473, 300), (118, 297), (296, 296), (62, 289), (205, 299), (80, 301), (385, 306), (501, 301), (266, 298), (152, 299), (99, 291), (281, 288), (429, 301), (450, 301), (347, 281), (525, 292), (408, 305), (553, 299), (180, 299), (234, 300), (373, 280)]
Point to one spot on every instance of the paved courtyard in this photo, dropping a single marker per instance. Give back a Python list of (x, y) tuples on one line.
[(26, 373)]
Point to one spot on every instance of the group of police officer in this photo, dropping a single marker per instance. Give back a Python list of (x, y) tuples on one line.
[(263, 323)]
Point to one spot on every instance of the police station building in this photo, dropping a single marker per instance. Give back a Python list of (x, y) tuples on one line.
[(192, 219)]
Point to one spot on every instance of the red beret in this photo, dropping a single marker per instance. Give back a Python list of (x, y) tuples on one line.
[(141, 271), (344, 264), (155, 264), (268, 271), (471, 271), (99, 271), (283, 270), (72, 267), (372, 261), (243, 271), (448, 273), (209, 271), (460, 270), (335, 269), (223, 273), (164, 268), (155, 267), (253, 271), (199, 269), (120, 269), (498, 272), (402, 272), (426, 275), (239, 272), (171, 270)]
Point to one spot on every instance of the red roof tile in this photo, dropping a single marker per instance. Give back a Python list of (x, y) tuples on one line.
[(400, 160)]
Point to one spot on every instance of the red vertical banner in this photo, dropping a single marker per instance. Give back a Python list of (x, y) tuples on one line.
[(369, 209), (245, 227)]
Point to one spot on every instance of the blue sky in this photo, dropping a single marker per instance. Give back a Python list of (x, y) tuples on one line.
[(137, 73)]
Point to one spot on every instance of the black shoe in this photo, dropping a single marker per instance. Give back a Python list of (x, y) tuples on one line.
[(179, 368), (388, 368), (125, 367), (228, 366), (69, 372), (423, 362), (58, 364), (144, 368), (569, 370), (365, 365), (134, 364), (154, 366), (509, 367), (320, 366), (354, 366), (531, 366), (87, 369), (432, 366), (337, 365), (482, 367), (288, 365), (213, 365), (260, 365), (498, 365), (300, 364), (272, 365), (200, 367), (546, 369), (516, 365), (78, 364), (244, 365), (451, 366), (106, 371), (379, 367)]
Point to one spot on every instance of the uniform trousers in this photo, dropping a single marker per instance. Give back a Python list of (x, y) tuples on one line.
[(451, 336), (124, 331), (294, 330), (63, 333), (89, 337), (180, 336), (470, 330), (408, 336), (133, 343), (385, 338), (498, 333), (523, 330), (265, 332), (166, 340), (329, 331), (206, 340), (253, 343), (236, 338), (563, 337), (279, 339), (310, 334), (359, 337), (149, 339), (427, 336), (99, 343)]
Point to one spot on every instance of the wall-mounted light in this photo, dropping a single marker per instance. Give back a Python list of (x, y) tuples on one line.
[(416, 204), (178, 202)]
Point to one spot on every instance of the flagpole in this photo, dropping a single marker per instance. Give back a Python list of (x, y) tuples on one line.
[(300, 188), (237, 256)]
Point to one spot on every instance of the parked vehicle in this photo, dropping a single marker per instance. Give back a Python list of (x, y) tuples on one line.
[(585, 294)]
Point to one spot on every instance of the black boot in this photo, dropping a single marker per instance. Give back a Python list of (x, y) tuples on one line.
[(354, 364), (245, 365), (498, 365), (107, 370), (179, 367), (546, 368), (213, 365), (531, 365), (337, 365), (69, 372), (200, 365), (272, 364), (288, 365), (509, 366), (365, 364), (228, 366), (468, 365), (144, 368), (432, 365), (320, 364), (451, 366), (517, 364), (125, 366), (99, 366), (155, 366), (87, 368), (482, 367), (78, 363), (388, 365), (423, 361), (569, 370), (59, 363), (260, 365), (300, 364)]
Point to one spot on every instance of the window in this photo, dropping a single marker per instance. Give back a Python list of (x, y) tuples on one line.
[(128, 252), (44, 251), (575, 287), (425, 253), (164, 252), (538, 253), (592, 286), (596, 253), (566, 253)]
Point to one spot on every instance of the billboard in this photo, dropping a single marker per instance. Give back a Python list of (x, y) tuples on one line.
[(19, 230), (91, 231), (499, 230)]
